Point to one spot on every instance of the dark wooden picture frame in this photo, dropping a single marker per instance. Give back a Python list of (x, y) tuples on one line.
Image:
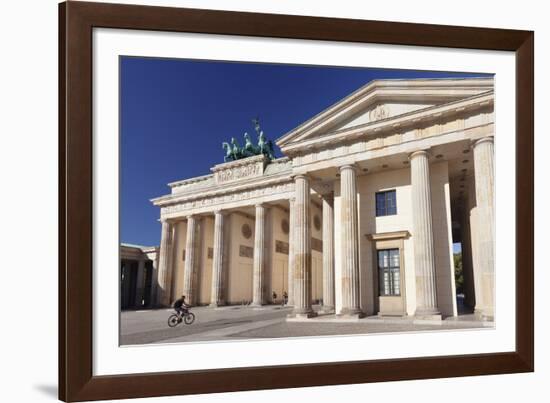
[(76, 23)]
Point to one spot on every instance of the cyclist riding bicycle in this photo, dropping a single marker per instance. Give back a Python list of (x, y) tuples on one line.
[(180, 306), (182, 314)]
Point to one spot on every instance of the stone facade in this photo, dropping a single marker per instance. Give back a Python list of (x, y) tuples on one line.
[(138, 276), (360, 215)]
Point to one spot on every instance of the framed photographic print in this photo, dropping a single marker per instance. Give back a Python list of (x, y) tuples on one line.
[(252, 201)]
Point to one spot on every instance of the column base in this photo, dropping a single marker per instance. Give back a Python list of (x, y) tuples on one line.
[(351, 313), (428, 315), (484, 314), (430, 318), (327, 309), (216, 304), (302, 314)]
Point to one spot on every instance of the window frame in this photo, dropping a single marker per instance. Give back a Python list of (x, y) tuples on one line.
[(387, 200), (391, 270)]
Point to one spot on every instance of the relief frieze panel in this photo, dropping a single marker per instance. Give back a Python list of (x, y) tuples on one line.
[(251, 167), (247, 171), (246, 251), (281, 247), (233, 197)]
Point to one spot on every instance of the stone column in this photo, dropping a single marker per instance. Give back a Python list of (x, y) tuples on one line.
[(258, 280), (350, 242), (189, 286), (217, 294), (140, 282), (153, 297), (474, 224), (290, 288), (467, 267), (328, 253), (302, 249), (125, 284), (424, 257), (484, 190), (173, 273), (163, 289)]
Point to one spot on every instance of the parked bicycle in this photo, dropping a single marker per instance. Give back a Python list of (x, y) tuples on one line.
[(177, 317)]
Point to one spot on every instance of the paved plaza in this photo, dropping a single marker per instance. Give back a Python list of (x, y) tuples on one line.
[(244, 322)]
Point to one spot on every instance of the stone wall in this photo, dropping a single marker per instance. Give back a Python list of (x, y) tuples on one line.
[(239, 284), (443, 242), (204, 280), (316, 252), (367, 186), (178, 262), (279, 252)]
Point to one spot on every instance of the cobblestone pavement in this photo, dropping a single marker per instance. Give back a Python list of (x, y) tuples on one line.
[(237, 322), (144, 327), (289, 329)]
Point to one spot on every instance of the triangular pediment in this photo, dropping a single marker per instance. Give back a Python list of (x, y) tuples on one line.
[(383, 100), (378, 111)]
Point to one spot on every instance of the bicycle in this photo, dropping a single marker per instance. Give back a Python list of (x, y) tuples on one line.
[(177, 317)]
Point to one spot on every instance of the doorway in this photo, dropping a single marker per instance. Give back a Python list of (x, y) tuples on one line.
[(128, 282)]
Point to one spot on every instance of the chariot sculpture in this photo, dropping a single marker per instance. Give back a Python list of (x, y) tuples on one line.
[(234, 152)]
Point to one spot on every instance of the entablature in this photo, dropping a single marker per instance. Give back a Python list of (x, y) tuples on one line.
[(415, 120)]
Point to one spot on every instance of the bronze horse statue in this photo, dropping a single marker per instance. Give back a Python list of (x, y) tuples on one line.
[(249, 148), (228, 152), (265, 147), (234, 152)]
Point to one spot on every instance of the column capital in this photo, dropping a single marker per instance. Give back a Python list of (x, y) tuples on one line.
[(488, 139), (301, 176), (220, 212), (347, 166), (419, 153), (168, 221)]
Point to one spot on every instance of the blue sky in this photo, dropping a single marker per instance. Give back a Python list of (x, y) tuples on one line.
[(176, 113)]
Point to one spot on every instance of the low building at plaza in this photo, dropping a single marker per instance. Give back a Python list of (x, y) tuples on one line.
[(138, 264), (359, 216)]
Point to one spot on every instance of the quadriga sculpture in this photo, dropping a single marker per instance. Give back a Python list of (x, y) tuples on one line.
[(234, 152)]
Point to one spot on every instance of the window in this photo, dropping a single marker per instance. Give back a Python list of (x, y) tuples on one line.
[(388, 272), (385, 203)]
